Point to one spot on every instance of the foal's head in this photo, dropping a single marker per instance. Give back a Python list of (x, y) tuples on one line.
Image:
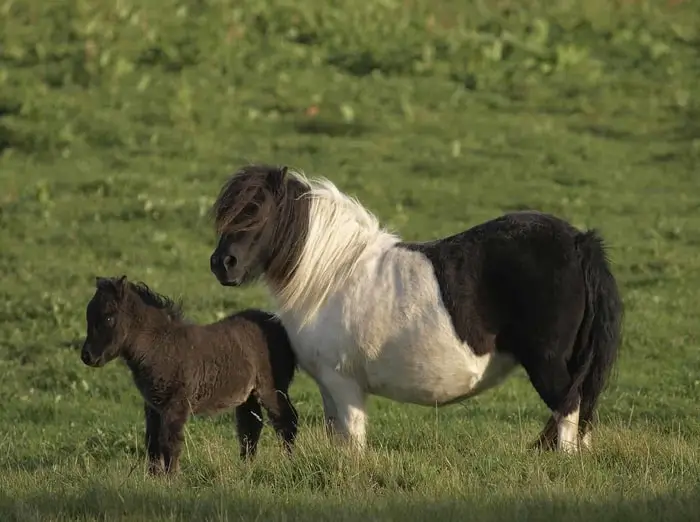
[(261, 218), (117, 308)]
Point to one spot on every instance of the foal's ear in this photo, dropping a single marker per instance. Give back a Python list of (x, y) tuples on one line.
[(116, 284), (120, 285)]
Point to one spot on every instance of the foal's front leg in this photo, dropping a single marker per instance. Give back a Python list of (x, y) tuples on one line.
[(155, 456), (172, 425)]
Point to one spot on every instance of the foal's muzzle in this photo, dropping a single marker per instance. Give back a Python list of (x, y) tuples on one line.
[(88, 359)]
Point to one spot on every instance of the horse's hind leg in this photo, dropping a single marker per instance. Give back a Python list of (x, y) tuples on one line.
[(567, 429), (249, 424), (586, 438), (585, 428), (547, 440), (551, 378), (283, 416)]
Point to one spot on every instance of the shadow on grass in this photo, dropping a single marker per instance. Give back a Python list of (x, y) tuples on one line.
[(108, 504)]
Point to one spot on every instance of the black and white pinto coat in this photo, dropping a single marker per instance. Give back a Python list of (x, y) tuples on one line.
[(427, 323)]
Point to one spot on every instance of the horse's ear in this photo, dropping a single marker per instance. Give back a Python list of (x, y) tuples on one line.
[(277, 176), (101, 282)]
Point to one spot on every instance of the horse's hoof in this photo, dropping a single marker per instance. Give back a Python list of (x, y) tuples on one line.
[(543, 443), (587, 441)]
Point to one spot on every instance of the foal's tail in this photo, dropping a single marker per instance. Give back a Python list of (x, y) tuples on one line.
[(600, 335)]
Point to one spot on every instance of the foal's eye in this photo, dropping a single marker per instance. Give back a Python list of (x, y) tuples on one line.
[(110, 320)]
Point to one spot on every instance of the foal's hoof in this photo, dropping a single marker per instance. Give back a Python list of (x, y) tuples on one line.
[(156, 470), (159, 470)]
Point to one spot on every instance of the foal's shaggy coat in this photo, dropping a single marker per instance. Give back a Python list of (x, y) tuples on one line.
[(242, 361), (427, 323)]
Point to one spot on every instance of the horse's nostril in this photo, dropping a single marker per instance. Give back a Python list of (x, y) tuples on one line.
[(229, 262)]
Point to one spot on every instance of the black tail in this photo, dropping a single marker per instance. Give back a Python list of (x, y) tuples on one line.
[(600, 334)]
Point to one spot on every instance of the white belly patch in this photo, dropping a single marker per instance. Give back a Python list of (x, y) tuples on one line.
[(436, 378)]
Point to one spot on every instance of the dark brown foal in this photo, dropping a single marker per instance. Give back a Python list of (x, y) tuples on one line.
[(244, 361)]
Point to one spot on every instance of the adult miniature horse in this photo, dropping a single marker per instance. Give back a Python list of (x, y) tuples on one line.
[(425, 323)]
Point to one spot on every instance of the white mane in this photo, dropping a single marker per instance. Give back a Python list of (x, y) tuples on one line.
[(340, 231)]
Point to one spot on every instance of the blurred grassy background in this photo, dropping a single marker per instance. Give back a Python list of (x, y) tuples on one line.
[(120, 120)]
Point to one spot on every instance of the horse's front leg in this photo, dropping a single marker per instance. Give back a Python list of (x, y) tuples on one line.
[(329, 412), (344, 403)]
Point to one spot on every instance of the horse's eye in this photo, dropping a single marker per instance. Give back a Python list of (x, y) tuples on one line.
[(110, 320)]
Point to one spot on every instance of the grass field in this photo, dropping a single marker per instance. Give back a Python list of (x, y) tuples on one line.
[(120, 120)]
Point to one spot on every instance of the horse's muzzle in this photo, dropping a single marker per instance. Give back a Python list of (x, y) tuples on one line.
[(221, 267)]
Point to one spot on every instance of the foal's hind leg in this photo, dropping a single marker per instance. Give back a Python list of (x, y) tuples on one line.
[(283, 416), (249, 424), (172, 427)]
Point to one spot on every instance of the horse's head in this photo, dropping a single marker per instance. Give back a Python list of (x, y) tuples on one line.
[(260, 219), (105, 322)]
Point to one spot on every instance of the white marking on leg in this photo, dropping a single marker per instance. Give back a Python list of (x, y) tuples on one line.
[(567, 431)]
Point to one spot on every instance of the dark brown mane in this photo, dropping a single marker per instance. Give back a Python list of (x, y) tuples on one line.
[(152, 298)]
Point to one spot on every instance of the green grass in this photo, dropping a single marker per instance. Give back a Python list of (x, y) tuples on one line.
[(120, 120)]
